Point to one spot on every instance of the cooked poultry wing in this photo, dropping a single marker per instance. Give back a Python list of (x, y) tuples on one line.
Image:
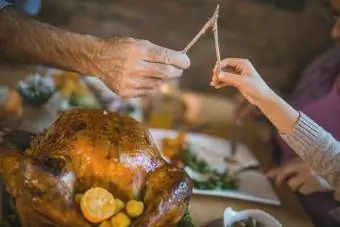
[(90, 148)]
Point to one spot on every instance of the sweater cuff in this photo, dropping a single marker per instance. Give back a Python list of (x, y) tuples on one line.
[(306, 136)]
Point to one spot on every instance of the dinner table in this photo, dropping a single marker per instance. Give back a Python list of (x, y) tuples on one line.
[(213, 115), (208, 210)]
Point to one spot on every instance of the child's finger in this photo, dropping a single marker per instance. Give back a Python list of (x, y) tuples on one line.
[(222, 84), (273, 172), (215, 75), (214, 79)]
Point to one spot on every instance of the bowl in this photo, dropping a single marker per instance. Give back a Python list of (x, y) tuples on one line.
[(230, 217)]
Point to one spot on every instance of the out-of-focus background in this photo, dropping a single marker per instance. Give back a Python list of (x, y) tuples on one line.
[(279, 36)]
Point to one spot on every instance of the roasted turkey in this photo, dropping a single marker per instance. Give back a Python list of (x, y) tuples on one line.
[(87, 148)]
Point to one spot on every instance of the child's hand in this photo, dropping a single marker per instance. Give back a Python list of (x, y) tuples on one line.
[(241, 74), (299, 176)]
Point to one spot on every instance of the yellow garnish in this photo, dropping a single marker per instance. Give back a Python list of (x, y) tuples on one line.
[(105, 224), (78, 197), (134, 208), (97, 205), (120, 220), (119, 205)]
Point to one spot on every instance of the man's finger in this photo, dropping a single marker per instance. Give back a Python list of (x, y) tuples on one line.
[(157, 70), (143, 92), (147, 83), (166, 56), (132, 93), (164, 71)]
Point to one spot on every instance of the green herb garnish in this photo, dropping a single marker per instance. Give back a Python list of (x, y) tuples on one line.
[(186, 220), (220, 181), (193, 163)]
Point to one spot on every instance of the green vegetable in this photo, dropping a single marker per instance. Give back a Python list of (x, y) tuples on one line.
[(84, 101), (36, 90), (219, 181), (203, 185), (203, 167), (187, 157), (193, 163), (215, 183), (186, 220)]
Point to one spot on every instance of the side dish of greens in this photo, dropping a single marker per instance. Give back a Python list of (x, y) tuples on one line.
[(215, 180)]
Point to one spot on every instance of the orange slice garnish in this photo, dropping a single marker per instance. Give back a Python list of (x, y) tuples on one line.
[(97, 205)]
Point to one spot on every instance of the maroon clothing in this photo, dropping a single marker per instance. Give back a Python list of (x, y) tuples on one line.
[(318, 97), (324, 111), (317, 79)]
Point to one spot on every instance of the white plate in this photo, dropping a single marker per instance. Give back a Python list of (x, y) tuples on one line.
[(253, 185), (230, 217)]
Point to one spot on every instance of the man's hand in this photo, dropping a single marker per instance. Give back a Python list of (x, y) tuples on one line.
[(136, 67), (128, 66), (299, 176)]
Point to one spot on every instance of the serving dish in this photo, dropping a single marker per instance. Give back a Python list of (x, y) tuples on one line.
[(231, 216), (252, 185)]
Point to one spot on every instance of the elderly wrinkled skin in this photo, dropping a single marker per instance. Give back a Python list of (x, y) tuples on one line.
[(91, 148)]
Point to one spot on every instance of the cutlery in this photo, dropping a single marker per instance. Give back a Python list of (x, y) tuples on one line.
[(237, 127)]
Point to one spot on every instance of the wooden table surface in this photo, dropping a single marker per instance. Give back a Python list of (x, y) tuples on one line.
[(290, 213)]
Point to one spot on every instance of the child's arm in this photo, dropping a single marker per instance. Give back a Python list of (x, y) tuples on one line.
[(310, 141)]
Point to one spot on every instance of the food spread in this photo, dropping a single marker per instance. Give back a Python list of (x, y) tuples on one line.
[(179, 153), (86, 149)]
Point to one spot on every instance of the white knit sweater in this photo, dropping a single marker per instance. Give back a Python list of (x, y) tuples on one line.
[(320, 150)]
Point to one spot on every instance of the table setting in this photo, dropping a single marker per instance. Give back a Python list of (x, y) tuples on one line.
[(223, 157), (227, 170)]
